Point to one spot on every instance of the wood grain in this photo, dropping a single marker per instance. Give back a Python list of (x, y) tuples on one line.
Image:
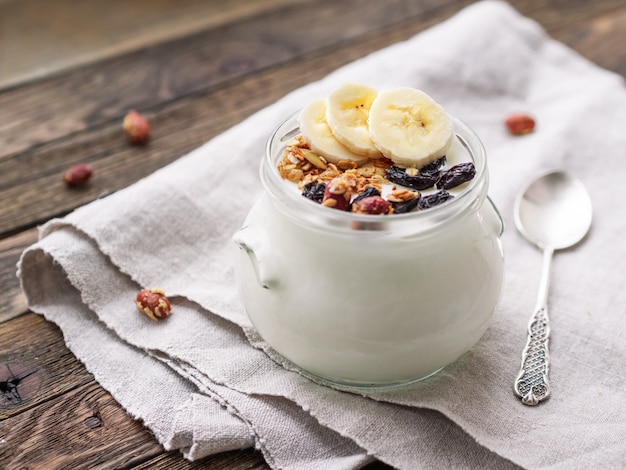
[(13, 300), (102, 93), (247, 459), (601, 39), (42, 38), (85, 427), (34, 344)]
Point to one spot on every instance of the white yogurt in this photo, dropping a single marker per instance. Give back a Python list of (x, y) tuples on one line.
[(370, 300)]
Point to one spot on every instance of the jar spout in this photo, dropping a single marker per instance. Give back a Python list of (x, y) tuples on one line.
[(255, 243)]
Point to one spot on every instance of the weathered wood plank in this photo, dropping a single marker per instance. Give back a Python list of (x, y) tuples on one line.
[(247, 459), (31, 344), (13, 300), (50, 109), (83, 428), (601, 39), (59, 106), (42, 38)]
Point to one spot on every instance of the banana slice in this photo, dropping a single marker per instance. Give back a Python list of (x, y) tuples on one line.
[(347, 112), (317, 133), (409, 127)]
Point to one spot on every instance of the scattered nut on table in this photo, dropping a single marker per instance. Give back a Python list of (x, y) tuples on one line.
[(519, 124), (78, 174), (153, 303), (137, 127)]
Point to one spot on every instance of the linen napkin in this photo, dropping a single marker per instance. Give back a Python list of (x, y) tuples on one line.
[(204, 382)]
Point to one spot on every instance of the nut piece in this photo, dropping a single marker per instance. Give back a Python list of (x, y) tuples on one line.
[(402, 195), (153, 303), (339, 191), (137, 127), (78, 174), (375, 205), (520, 124)]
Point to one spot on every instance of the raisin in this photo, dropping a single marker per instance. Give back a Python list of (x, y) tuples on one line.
[(456, 175), (314, 191), (367, 192), (405, 206), (433, 168), (426, 202), (398, 175)]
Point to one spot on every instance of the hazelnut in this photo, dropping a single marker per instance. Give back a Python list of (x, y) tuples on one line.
[(78, 174), (375, 205), (520, 124), (153, 303), (137, 127)]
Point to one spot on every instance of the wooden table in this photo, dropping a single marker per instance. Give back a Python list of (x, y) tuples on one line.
[(69, 71)]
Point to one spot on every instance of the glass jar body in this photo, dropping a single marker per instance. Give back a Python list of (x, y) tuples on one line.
[(369, 300)]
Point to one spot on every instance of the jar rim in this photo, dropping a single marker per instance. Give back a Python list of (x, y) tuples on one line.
[(308, 212)]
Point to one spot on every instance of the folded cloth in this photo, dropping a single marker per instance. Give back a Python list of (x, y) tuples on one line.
[(202, 381)]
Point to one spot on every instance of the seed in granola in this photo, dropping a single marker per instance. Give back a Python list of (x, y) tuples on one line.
[(314, 159), (458, 174), (374, 205), (426, 202), (398, 175), (314, 191)]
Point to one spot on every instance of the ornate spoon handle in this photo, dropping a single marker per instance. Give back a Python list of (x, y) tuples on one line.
[(531, 384)]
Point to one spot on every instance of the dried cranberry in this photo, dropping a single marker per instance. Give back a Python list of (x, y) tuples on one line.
[(375, 205), (314, 191), (458, 174), (426, 202), (338, 193)]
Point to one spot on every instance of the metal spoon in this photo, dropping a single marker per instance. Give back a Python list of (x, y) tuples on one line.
[(553, 212)]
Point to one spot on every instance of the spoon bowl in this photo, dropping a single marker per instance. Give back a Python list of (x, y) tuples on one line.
[(553, 212)]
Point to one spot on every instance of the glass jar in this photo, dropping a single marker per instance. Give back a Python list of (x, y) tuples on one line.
[(367, 300)]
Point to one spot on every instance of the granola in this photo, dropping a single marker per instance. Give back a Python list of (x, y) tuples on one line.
[(339, 185), (300, 165)]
